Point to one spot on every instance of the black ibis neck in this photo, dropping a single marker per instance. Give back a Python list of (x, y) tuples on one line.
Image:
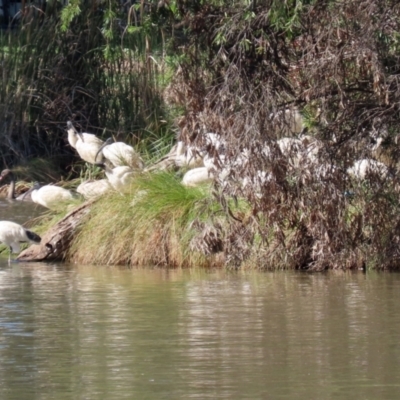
[(11, 188)]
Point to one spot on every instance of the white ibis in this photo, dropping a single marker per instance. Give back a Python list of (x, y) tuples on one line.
[(50, 196), (288, 121), (120, 178), (312, 147), (86, 144), (291, 149), (11, 234), (256, 183), (197, 176), (120, 154), (91, 189), (188, 156), (214, 158), (288, 145), (362, 168), (214, 139)]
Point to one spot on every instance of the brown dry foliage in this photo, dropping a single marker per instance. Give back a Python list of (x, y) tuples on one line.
[(337, 62)]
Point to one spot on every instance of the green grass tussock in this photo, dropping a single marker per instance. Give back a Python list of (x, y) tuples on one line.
[(156, 222)]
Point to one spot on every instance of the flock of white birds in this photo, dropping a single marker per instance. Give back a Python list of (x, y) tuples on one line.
[(122, 163)]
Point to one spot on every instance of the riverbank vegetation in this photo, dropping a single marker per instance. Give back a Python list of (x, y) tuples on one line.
[(248, 71), (158, 222)]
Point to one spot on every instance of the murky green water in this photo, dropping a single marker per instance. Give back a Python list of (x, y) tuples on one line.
[(74, 332), (19, 211), (91, 332)]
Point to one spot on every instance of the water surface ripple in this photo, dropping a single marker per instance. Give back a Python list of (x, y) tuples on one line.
[(71, 332)]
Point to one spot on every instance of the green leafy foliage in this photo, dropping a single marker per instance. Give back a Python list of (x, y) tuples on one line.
[(91, 72), (68, 13)]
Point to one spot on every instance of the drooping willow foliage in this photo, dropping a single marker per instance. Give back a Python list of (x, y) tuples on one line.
[(338, 63)]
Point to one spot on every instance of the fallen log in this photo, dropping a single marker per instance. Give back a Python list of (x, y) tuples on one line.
[(56, 241)]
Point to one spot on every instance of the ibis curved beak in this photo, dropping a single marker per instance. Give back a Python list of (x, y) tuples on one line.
[(35, 186), (26, 193), (70, 126), (106, 143)]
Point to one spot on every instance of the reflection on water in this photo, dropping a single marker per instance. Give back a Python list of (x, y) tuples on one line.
[(70, 332)]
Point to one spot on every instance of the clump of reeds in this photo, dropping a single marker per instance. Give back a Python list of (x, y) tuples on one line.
[(92, 72), (157, 222)]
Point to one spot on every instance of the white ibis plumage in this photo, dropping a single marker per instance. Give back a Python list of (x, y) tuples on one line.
[(362, 168), (120, 154), (86, 144), (120, 178), (11, 234), (50, 196), (188, 156), (91, 189), (197, 176)]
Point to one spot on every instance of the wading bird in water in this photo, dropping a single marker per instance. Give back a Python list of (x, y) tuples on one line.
[(11, 234)]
